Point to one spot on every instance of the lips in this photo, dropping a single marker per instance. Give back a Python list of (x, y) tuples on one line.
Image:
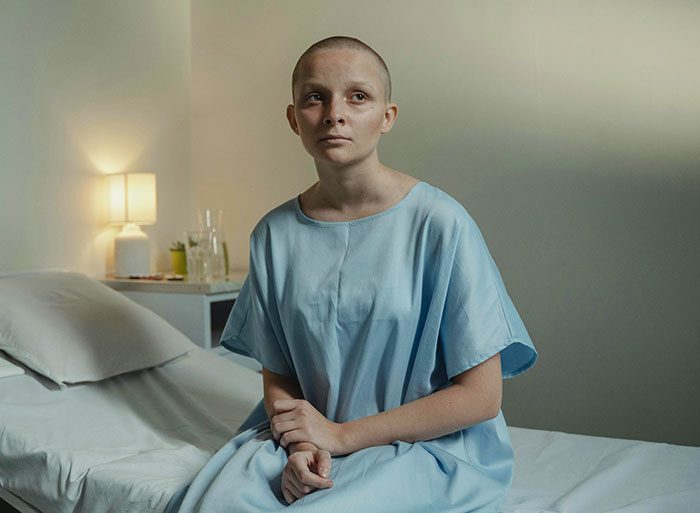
[(334, 138)]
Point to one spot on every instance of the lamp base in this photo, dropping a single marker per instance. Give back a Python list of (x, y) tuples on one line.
[(131, 253)]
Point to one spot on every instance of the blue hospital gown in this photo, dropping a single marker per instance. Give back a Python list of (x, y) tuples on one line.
[(368, 315)]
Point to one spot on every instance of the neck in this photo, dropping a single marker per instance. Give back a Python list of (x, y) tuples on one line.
[(349, 187)]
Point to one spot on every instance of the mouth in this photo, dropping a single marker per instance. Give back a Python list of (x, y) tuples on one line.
[(334, 138)]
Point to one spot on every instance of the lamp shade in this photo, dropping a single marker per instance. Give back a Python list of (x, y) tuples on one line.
[(132, 198)]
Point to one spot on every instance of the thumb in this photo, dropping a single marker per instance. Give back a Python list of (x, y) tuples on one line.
[(323, 463)]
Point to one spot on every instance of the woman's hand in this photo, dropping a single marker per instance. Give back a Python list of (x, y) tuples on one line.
[(295, 420), (307, 469)]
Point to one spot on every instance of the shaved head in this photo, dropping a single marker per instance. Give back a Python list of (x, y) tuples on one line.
[(346, 43)]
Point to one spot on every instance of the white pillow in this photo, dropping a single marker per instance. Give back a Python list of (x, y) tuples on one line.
[(8, 369), (71, 328)]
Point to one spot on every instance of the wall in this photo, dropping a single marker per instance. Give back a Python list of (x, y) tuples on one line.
[(569, 130), (88, 88)]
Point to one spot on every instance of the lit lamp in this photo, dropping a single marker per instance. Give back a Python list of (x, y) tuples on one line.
[(132, 202)]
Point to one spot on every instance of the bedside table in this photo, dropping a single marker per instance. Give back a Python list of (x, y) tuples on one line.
[(198, 310)]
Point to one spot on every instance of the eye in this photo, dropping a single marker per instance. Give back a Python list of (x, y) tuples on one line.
[(358, 97), (313, 97)]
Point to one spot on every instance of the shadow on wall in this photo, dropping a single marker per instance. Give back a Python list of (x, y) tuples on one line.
[(609, 292)]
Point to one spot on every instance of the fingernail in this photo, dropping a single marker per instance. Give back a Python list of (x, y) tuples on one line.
[(324, 472)]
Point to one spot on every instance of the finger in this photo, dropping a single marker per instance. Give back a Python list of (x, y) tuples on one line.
[(296, 465), (279, 428), (288, 495), (282, 405), (292, 483), (298, 488), (284, 416), (294, 489), (296, 435), (306, 477), (323, 463)]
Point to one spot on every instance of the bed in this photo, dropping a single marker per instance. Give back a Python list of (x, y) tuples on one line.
[(128, 442)]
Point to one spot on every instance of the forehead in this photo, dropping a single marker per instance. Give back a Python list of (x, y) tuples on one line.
[(339, 64)]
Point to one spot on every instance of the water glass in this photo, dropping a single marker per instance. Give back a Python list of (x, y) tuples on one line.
[(211, 219), (200, 256)]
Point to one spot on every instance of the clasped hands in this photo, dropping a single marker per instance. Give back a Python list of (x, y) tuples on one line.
[(310, 439)]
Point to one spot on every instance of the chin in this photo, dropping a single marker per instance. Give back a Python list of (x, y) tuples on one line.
[(334, 157), (339, 164)]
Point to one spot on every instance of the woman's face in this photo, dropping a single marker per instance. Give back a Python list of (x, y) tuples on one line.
[(339, 109)]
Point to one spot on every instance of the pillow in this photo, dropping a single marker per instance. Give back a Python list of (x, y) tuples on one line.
[(10, 274), (71, 328), (8, 369)]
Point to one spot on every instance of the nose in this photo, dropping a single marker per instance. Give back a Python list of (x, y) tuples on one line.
[(334, 113)]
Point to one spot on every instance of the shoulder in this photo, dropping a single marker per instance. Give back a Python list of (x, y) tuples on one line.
[(440, 210), (278, 220)]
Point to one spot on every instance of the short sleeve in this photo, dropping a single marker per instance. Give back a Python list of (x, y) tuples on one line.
[(253, 328), (479, 318)]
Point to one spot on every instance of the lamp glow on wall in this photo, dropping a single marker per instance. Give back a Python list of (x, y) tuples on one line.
[(132, 203)]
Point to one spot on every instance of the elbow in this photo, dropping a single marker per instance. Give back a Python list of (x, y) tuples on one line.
[(482, 386), (480, 407), (492, 410), (493, 407), (495, 398)]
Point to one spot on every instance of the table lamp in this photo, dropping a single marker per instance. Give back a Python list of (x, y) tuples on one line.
[(132, 202)]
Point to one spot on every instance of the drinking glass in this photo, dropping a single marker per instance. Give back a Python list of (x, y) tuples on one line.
[(198, 249), (212, 220)]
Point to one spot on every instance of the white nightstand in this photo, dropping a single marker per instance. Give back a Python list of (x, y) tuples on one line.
[(199, 310)]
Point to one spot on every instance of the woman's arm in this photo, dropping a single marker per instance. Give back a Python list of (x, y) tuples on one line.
[(277, 386), (475, 396), (307, 467)]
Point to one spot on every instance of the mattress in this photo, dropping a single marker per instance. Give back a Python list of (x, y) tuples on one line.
[(123, 444), (128, 443), (566, 473)]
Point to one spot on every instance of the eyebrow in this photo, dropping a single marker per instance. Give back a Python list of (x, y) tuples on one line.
[(354, 85)]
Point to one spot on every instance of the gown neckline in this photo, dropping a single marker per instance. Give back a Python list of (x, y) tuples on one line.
[(303, 216)]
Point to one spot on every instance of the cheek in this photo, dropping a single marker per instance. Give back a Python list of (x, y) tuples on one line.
[(303, 124), (306, 118), (306, 133), (373, 122)]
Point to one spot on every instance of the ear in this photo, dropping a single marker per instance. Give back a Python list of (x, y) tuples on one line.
[(292, 119), (390, 113)]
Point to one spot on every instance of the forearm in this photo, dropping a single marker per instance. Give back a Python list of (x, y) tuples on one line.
[(276, 386), (430, 417), (472, 399)]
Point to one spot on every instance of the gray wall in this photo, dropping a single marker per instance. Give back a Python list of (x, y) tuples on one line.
[(569, 130)]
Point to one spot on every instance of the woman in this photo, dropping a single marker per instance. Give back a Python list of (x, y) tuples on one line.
[(381, 322)]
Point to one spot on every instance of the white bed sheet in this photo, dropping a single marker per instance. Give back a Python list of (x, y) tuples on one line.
[(125, 444), (128, 443), (565, 473)]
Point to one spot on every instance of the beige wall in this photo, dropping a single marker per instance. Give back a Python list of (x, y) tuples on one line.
[(569, 130), (88, 88)]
